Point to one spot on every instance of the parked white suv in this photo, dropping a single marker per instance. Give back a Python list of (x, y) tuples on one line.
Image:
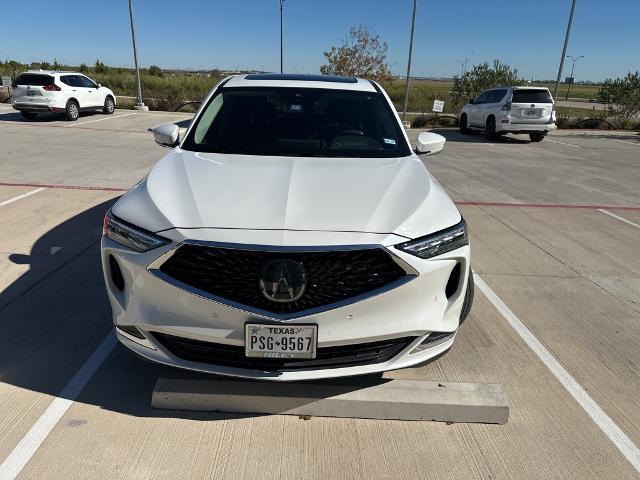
[(503, 110), (39, 91)]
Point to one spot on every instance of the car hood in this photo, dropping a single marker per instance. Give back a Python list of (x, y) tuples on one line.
[(374, 195)]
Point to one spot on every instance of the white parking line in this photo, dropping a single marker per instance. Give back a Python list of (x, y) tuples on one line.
[(20, 456), (622, 219), (562, 143), (601, 419), (99, 120), (15, 199)]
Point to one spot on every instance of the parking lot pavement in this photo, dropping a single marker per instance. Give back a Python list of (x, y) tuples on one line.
[(568, 167), (563, 267), (98, 150)]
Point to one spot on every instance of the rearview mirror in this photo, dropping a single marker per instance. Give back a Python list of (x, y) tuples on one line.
[(429, 143), (166, 135)]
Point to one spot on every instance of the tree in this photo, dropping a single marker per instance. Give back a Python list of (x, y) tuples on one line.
[(480, 78), (622, 96), (362, 54), (56, 65), (100, 67), (45, 65), (83, 68), (155, 71)]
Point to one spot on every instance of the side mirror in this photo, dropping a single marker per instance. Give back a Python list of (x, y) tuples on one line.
[(99, 85), (472, 101), (429, 143), (167, 135)]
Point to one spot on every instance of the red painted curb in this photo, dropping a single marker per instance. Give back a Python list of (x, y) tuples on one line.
[(63, 187), (461, 202), (543, 205)]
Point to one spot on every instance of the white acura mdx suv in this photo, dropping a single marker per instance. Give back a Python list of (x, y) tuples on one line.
[(39, 91), (291, 234), (503, 110)]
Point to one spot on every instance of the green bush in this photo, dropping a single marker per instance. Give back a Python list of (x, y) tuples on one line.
[(159, 93), (622, 96), (421, 95), (595, 123), (480, 78), (423, 121), (628, 124), (155, 71)]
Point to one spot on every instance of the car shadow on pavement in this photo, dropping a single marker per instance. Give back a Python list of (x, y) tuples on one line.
[(55, 315), (15, 116), (605, 136), (455, 136)]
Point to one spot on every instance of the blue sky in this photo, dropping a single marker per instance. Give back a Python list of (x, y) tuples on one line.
[(526, 34)]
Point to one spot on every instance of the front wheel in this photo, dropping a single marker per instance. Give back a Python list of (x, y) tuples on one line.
[(463, 124), (109, 106), (536, 136), (29, 115), (490, 129), (72, 111)]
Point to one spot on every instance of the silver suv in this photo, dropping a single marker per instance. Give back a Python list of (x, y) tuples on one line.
[(503, 110)]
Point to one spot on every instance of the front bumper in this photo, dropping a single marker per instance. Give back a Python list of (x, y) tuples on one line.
[(411, 310)]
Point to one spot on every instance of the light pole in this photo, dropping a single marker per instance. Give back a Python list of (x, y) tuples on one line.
[(564, 49), (281, 6), (463, 65), (406, 83), (140, 105), (572, 67)]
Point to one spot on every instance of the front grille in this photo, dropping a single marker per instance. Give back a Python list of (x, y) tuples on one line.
[(327, 357), (331, 276)]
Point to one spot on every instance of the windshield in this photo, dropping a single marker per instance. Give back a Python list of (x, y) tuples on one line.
[(298, 122), (531, 96)]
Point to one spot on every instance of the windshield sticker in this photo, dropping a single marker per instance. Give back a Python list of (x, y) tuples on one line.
[(389, 141)]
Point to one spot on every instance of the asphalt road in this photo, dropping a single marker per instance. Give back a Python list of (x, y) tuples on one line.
[(555, 229)]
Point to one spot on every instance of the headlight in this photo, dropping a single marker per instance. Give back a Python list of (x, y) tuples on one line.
[(132, 237), (437, 243)]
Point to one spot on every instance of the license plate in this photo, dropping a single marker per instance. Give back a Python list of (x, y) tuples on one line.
[(31, 93), (532, 113), (280, 341)]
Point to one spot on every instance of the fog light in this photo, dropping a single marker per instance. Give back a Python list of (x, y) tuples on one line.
[(434, 339), (116, 274), (131, 330), (454, 281)]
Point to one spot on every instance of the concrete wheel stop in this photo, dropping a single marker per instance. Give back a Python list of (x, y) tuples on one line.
[(384, 399)]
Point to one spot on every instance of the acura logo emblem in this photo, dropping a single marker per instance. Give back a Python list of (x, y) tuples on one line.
[(533, 105), (283, 280)]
